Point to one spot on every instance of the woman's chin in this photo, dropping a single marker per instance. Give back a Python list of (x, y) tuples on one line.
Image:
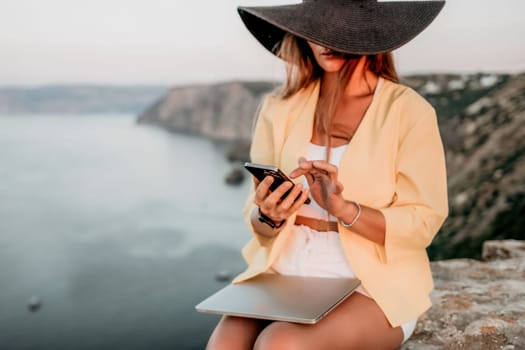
[(331, 65), (332, 68)]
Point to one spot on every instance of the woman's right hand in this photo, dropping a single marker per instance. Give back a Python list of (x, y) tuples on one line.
[(271, 204)]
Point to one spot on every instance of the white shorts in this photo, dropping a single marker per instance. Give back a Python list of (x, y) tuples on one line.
[(308, 252)]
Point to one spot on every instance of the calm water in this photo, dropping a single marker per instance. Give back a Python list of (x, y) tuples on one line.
[(118, 228)]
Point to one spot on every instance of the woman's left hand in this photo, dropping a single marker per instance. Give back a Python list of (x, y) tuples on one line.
[(323, 183)]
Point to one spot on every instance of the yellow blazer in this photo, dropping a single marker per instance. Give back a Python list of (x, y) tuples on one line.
[(395, 163)]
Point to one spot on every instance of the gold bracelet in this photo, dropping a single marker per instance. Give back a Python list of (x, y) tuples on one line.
[(356, 217)]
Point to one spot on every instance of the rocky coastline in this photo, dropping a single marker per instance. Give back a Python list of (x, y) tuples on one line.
[(220, 112)]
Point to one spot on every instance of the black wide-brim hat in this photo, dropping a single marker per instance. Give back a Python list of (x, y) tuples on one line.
[(350, 26)]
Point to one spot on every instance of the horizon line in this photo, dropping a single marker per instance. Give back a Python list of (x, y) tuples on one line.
[(226, 81)]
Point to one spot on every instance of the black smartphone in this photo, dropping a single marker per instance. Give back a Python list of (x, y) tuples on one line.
[(260, 171)]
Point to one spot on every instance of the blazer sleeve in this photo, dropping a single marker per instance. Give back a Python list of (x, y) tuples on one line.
[(261, 151), (420, 202)]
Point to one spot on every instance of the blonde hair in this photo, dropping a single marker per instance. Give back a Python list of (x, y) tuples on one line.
[(302, 70)]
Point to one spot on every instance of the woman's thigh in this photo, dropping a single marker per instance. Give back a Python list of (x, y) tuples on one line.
[(358, 323), (235, 333)]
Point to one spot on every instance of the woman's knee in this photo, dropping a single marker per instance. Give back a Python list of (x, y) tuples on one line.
[(233, 333), (280, 335)]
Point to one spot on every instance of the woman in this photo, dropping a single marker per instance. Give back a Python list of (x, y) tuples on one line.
[(367, 151)]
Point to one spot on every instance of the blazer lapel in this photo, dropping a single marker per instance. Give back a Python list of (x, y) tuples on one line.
[(299, 129)]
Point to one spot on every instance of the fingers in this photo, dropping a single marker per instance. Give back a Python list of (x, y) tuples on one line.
[(299, 201), (268, 200), (323, 166), (316, 167), (339, 186), (291, 197), (310, 179), (274, 198), (304, 167), (272, 205), (262, 190)]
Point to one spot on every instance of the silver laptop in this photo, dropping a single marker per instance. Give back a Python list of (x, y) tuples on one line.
[(281, 298)]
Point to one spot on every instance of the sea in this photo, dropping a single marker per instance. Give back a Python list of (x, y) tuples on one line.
[(111, 232)]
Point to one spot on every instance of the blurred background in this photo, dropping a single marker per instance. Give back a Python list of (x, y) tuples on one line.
[(123, 127)]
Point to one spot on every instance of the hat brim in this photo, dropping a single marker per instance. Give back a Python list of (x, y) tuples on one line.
[(354, 27)]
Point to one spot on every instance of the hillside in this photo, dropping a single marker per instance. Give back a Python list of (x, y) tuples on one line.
[(482, 121), (485, 150), (220, 112)]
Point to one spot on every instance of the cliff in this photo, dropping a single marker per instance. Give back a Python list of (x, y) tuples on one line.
[(476, 304), (220, 112), (482, 122), (486, 163)]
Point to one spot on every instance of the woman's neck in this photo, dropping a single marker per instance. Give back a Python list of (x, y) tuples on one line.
[(362, 82)]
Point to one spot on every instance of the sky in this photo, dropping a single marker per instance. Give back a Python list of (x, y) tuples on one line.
[(178, 42)]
